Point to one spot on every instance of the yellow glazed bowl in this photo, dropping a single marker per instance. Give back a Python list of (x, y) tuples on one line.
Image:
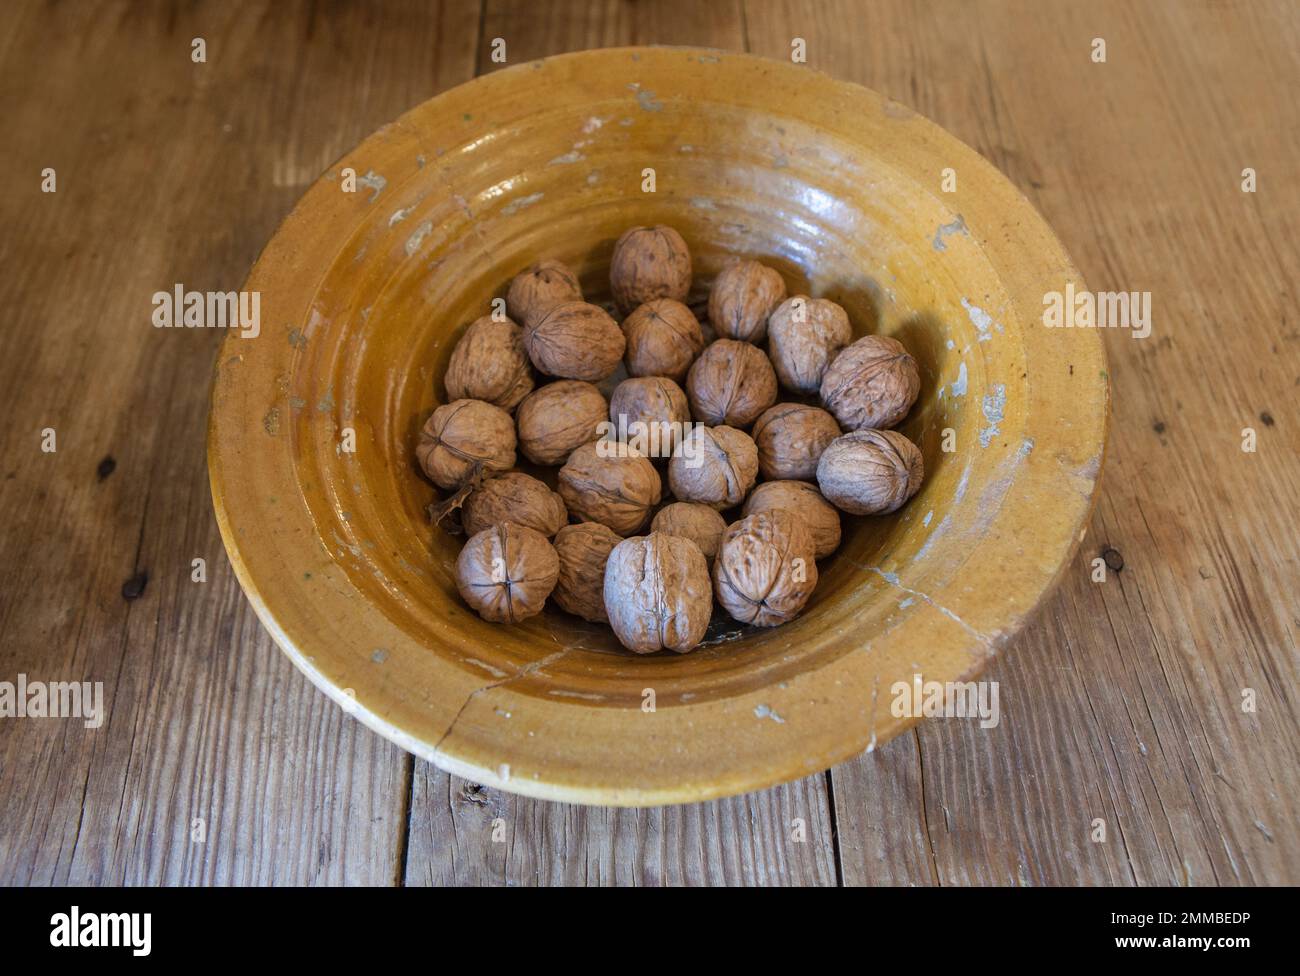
[(364, 294)]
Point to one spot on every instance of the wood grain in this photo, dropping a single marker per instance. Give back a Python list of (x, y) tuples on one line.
[(747, 840), (1122, 702), (465, 834), (169, 171)]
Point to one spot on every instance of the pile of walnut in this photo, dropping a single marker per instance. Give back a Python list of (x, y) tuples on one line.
[(584, 545)]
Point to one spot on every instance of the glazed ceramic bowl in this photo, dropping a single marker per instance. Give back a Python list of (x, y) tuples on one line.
[(363, 295)]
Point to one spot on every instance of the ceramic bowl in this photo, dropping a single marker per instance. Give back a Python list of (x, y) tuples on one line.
[(363, 295)]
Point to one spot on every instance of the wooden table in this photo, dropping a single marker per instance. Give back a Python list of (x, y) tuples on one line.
[(219, 764)]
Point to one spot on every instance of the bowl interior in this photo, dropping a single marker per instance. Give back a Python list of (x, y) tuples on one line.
[(372, 289)]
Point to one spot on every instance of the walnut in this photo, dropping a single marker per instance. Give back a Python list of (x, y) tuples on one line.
[(714, 466), (690, 520), (465, 436), (804, 334), (657, 593), (731, 383), (489, 363), (575, 340), (583, 550), (870, 472), (806, 504), (649, 263), (766, 568), (514, 497), (790, 439), (506, 572), (556, 418), (540, 288), (872, 383), (604, 482), (663, 339), (649, 414), (742, 298)]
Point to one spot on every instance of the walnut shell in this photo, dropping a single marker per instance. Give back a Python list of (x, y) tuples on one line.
[(650, 414), (872, 383), (663, 339), (657, 593), (559, 417), (649, 263), (462, 435), (870, 472), (731, 383), (540, 288), (806, 504), (574, 340), (714, 466), (803, 336), (741, 299), (506, 572), (584, 549), (791, 438), (766, 568), (489, 363), (603, 482), (514, 497), (690, 520)]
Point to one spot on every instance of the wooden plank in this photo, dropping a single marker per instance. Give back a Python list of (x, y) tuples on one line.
[(466, 834), (748, 840), (881, 817), (1123, 701), (169, 171), (535, 30)]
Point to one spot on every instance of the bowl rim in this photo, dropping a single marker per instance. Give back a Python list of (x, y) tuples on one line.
[(235, 411)]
